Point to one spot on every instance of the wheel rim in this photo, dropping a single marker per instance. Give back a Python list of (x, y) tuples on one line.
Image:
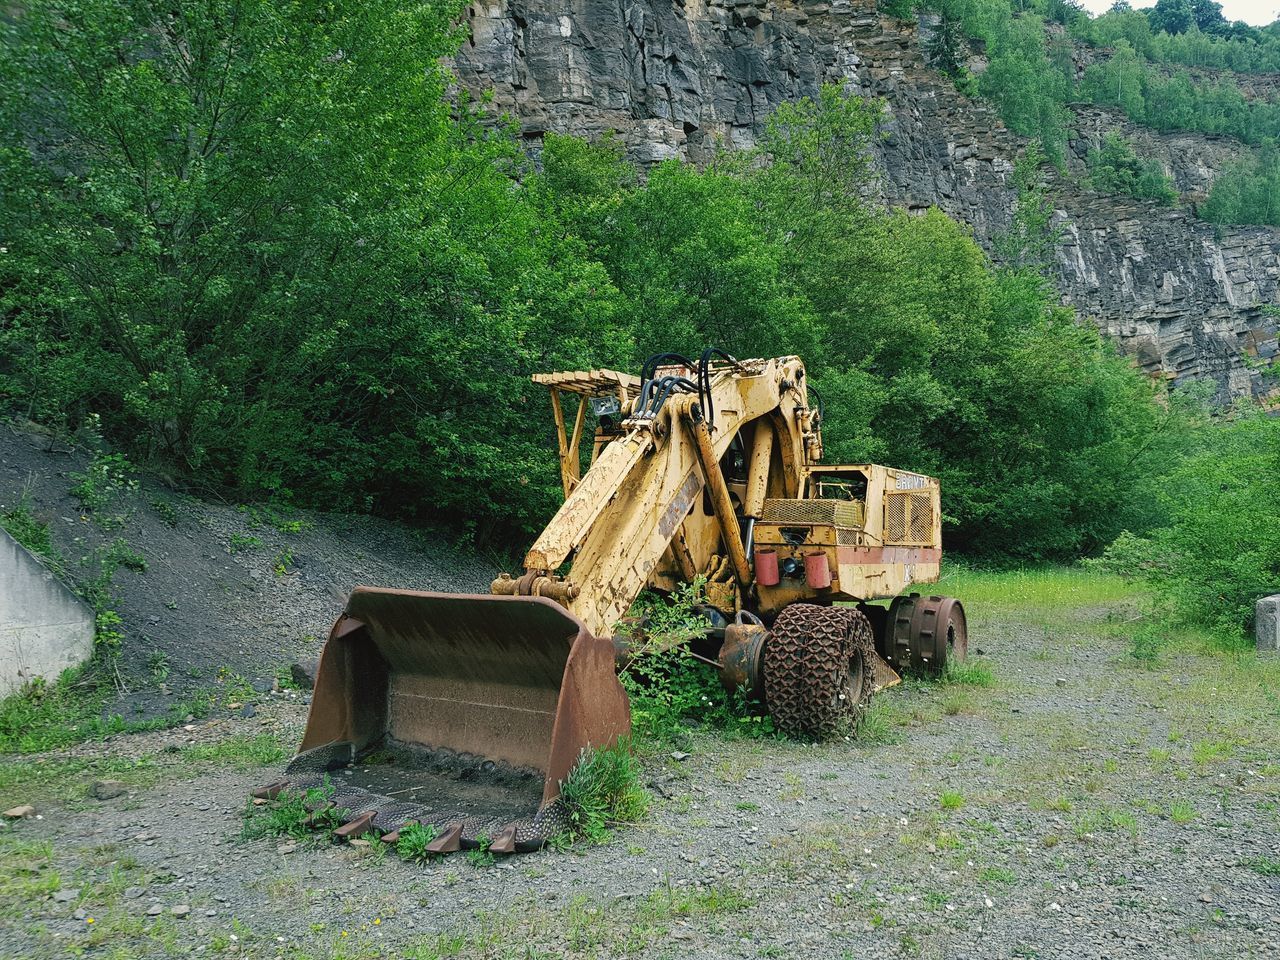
[(853, 680)]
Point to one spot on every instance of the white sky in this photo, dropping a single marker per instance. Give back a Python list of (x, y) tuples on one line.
[(1257, 12)]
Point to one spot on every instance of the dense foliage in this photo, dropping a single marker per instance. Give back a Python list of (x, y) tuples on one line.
[(1176, 99), (1031, 74), (1193, 33), (1220, 549), (1031, 79), (258, 241), (1248, 192), (1115, 168)]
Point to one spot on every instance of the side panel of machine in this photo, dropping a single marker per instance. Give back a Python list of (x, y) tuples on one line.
[(866, 549)]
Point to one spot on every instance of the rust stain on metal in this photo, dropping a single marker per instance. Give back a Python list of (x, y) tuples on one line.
[(679, 506), (514, 679)]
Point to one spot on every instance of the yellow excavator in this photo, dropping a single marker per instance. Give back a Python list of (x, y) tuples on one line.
[(465, 713)]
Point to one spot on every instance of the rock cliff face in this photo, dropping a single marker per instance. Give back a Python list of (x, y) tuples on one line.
[(677, 79), (1192, 160)]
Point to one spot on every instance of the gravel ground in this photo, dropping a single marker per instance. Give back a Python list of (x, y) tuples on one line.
[(1083, 806)]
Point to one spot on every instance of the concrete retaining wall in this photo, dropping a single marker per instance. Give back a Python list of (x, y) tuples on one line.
[(44, 627)]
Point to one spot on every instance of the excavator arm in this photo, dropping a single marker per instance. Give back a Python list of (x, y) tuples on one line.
[(643, 497)]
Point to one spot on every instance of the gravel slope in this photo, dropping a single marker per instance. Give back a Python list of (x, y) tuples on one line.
[(223, 589)]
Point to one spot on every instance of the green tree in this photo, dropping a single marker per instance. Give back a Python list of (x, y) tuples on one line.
[(1248, 192), (1027, 87), (263, 245), (1115, 168), (1172, 16), (1207, 15), (945, 46), (1220, 550)]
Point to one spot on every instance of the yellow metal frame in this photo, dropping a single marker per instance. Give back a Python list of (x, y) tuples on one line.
[(663, 502)]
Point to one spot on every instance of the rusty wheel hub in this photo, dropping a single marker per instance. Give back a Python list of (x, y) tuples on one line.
[(924, 632)]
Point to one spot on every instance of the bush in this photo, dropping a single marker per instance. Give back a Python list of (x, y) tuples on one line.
[(670, 690), (1115, 168), (1220, 550)]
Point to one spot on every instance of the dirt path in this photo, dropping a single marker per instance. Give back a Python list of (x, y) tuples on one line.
[(1083, 806)]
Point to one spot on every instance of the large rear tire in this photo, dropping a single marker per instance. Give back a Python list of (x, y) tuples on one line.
[(818, 670)]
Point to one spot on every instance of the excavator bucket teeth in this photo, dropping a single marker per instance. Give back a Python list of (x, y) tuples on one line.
[(505, 841), (885, 675), (449, 840), (483, 703)]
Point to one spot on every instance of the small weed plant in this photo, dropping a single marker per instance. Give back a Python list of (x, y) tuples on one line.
[(1181, 812), (1147, 643), (1266, 866), (240, 542), (878, 724), (480, 856), (276, 516), (602, 790), (107, 476), (413, 841), (951, 800), (968, 673)]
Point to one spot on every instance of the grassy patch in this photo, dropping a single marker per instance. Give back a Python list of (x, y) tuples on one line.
[(881, 722), (26, 870), (47, 716), (245, 752), (997, 877), (1180, 811), (292, 814), (73, 709), (968, 673), (66, 780), (951, 800), (1267, 866), (1037, 588), (30, 531), (603, 790)]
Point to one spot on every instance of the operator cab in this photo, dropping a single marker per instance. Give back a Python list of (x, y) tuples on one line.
[(840, 483)]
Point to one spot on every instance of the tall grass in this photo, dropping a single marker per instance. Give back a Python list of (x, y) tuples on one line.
[(1038, 588), (602, 790)]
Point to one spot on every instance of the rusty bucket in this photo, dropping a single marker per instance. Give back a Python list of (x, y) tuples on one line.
[(516, 683)]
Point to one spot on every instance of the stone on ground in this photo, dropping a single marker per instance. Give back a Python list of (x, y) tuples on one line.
[(1267, 623)]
